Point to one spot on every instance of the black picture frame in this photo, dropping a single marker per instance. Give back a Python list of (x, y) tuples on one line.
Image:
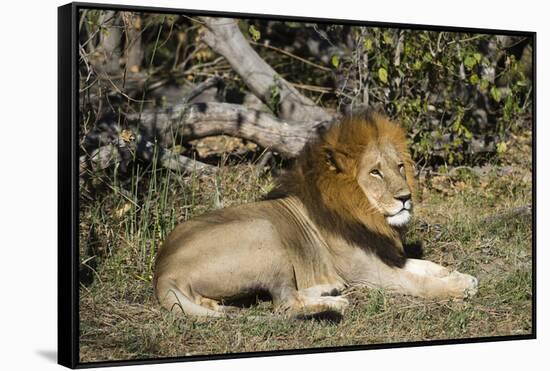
[(68, 185)]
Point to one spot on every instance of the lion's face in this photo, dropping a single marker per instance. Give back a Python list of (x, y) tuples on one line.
[(382, 176)]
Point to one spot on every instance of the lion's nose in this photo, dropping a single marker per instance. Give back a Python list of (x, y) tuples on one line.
[(404, 197), (406, 200)]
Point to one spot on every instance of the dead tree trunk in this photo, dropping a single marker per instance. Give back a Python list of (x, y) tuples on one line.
[(200, 120), (225, 38)]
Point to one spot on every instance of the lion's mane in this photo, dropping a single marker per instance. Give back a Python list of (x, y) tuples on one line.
[(324, 178)]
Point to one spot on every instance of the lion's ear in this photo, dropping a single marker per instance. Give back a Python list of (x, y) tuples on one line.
[(336, 161)]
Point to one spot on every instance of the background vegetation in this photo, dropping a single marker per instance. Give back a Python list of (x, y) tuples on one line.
[(465, 99)]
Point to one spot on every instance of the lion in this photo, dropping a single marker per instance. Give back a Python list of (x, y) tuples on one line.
[(333, 221)]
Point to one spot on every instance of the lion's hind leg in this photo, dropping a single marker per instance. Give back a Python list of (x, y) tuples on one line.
[(173, 299), (324, 297), (314, 302)]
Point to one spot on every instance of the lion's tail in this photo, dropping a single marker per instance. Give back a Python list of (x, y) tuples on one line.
[(172, 298)]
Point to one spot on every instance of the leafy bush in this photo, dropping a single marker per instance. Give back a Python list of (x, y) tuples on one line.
[(458, 94)]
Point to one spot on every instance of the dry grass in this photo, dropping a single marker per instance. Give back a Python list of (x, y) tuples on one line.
[(120, 232)]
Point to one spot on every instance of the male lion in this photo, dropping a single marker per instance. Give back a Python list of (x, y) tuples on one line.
[(334, 220)]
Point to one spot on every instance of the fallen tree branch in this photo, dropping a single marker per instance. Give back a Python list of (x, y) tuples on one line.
[(200, 120), (170, 160), (185, 121), (110, 154), (509, 214), (225, 38)]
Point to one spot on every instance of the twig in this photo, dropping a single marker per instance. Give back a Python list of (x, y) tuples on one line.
[(509, 214), (205, 85), (317, 89), (289, 54), (84, 58), (466, 39), (201, 66), (106, 77), (322, 35)]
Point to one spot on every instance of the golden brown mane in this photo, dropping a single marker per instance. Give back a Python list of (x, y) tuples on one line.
[(324, 178)]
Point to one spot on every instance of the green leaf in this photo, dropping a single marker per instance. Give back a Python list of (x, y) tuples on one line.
[(417, 65), (501, 147), (470, 62), (495, 94), (484, 84), (467, 133), (335, 61), (474, 79), (477, 57), (275, 96), (368, 44), (254, 33), (521, 83), (428, 57), (388, 38), (383, 75)]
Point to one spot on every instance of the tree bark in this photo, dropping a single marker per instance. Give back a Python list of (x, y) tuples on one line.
[(206, 119), (225, 38)]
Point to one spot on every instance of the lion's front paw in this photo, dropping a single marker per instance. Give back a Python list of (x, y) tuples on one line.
[(325, 303), (337, 303), (461, 285)]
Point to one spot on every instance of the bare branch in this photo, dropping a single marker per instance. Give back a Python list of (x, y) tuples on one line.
[(224, 37), (206, 119)]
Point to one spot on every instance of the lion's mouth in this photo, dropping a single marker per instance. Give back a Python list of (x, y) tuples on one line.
[(400, 218), (403, 211)]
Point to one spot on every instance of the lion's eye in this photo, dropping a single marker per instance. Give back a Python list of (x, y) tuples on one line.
[(402, 169), (376, 172)]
